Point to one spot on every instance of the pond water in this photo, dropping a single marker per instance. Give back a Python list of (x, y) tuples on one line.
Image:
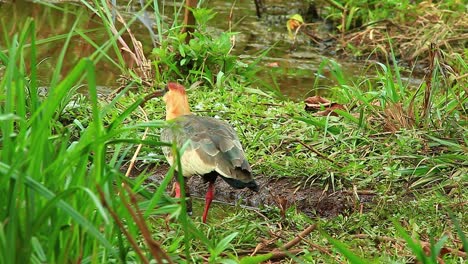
[(294, 71)]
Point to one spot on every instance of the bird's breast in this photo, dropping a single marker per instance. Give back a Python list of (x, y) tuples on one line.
[(192, 163)]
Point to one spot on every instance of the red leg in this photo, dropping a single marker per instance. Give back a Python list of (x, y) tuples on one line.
[(177, 189), (208, 199)]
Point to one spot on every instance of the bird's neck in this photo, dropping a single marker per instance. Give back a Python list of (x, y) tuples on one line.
[(177, 107)]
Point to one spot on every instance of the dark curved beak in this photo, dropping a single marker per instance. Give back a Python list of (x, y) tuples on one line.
[(157, 93)]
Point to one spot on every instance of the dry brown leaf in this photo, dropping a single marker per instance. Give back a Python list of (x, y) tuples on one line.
[(316, 102), (396, 117), (331, 110), (322, 106)]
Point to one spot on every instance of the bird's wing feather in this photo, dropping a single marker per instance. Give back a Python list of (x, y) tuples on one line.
[(215, 143)]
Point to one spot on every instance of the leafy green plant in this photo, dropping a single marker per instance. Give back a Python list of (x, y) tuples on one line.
[(205, 58), (55, 163)]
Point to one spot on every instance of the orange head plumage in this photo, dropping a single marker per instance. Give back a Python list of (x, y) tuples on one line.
[(176, 101)]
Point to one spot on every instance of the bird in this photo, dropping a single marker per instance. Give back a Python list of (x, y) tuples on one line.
[(212, 150)]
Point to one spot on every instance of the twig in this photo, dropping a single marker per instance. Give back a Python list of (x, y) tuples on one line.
[(258, 8), (189, 19), (324, 250), (284, 251), (360, 192), (137, 151), (300, 237), (284, 254), (233, 36)]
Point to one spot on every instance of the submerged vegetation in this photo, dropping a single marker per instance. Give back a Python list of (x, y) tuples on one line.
[(77, 169)]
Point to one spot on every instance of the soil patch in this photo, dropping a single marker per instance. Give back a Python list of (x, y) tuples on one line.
[(278, 192)]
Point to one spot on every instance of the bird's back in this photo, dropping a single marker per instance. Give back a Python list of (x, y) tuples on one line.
[(213, 146)]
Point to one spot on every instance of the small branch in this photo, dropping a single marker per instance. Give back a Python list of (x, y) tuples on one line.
[(137, 151), (360, 192), (284, 254), (275, 254), (233, 37), (284, 251), (258, 8), (189, 19), (300, 237)]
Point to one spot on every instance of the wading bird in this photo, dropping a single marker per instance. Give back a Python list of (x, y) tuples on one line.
[(213, 148)]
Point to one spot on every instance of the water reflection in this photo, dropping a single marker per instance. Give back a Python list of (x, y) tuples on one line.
[(295, 75)]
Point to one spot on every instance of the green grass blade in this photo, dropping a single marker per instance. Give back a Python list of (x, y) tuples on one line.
[(460, 232), (342, 248), (75, 215), (414, 246)]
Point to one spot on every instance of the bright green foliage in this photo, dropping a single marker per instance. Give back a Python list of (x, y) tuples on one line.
[(205, 58)]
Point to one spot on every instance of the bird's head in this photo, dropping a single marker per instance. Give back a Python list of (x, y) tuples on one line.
[(176, 101)]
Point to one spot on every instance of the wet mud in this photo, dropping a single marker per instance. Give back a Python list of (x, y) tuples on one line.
[(276, 192)]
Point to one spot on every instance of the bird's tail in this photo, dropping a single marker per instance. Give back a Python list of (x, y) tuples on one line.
[(252, 185)]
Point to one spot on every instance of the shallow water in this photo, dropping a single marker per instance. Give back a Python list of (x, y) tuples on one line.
[(294, 71)]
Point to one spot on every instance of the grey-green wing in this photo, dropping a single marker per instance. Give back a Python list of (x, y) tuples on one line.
[(213, 141)]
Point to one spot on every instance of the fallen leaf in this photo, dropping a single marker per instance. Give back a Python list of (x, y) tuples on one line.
[(316, 102), (322, 106), (331, 110)]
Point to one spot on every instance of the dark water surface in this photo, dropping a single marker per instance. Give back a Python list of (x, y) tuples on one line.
[(294, 71)]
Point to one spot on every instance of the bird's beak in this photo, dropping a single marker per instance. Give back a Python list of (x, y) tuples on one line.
[(157, 93)]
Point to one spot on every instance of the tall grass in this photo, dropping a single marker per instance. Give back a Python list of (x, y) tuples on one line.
[(50, 209), (41, 171), (431, 114)]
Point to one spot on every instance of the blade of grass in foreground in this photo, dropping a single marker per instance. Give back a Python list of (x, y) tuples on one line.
[(28, 157), (343, 249), (415, 247)]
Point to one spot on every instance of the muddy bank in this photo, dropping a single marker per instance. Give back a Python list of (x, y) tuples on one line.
[(282, 193)]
